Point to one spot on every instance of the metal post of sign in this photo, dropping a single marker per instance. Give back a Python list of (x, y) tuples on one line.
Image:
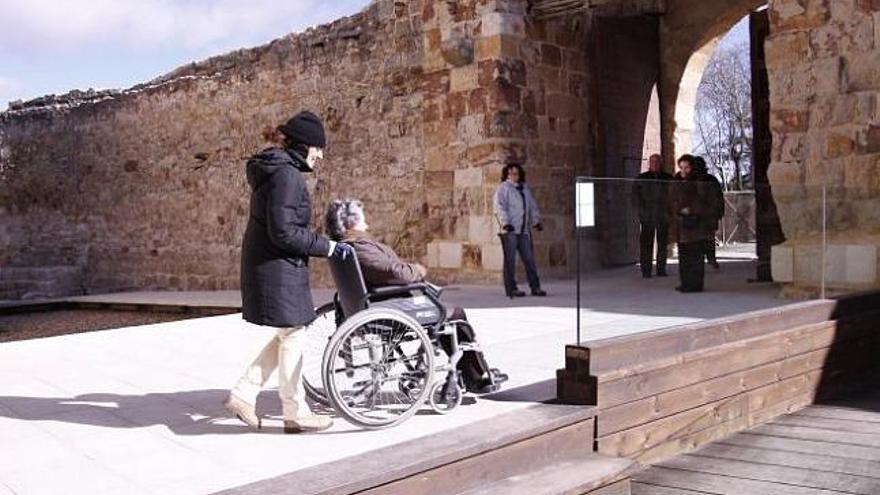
[(577, 236), (824, 240)]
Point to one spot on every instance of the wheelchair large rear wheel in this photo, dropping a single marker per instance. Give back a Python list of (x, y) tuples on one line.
[(378, 368), (317, 337)]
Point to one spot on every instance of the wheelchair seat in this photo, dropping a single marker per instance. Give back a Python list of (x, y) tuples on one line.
[(420, 301)]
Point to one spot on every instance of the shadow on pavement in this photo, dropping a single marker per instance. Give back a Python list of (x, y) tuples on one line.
[(623, 290), (191, 412)]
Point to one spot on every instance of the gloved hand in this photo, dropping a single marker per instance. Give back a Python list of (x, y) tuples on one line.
[(508, 228), (342, 250), (539, 227)]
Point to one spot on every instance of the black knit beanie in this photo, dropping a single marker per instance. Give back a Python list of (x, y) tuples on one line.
[(305, 128)]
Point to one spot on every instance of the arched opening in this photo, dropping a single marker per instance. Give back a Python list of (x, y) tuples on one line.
[(688, 92), (718, 103)]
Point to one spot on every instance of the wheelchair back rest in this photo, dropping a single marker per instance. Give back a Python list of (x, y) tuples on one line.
[(350, 286)]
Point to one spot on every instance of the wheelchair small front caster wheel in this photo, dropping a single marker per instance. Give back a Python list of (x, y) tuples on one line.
[(411, 388), (444, 399)]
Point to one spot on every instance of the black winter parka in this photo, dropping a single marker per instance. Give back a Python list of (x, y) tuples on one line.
[(278, 242)]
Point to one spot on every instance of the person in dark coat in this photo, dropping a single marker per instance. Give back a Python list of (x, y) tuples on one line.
[(345, 221), (275, 256), (691, 207), (650, 197), (716, 193)]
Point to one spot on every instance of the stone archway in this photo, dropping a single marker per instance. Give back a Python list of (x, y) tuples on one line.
[(689, 32)]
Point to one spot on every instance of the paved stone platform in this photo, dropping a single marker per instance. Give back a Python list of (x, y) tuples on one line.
[(138, 410)]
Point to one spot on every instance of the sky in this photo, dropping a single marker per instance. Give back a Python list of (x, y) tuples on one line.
[(54, 46), (738, 34)]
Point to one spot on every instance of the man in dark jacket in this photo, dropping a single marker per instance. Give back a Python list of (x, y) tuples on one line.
[(650, 197), (716, 196), (275, 256)]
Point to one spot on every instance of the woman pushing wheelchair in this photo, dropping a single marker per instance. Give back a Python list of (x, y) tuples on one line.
[(345, 222)]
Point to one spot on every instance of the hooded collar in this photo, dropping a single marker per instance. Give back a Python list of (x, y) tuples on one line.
[(299, 161)]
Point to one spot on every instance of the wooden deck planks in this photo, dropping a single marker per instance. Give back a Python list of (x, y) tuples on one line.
[(790, 458), (797, 476), (757, 440), (824, 449)]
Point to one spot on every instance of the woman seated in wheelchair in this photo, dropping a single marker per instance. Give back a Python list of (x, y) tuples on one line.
[(381, 267)]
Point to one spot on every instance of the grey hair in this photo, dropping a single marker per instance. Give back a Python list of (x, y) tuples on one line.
[(342, 215)]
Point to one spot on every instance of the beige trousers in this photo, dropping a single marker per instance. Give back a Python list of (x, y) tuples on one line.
[(284, 353)]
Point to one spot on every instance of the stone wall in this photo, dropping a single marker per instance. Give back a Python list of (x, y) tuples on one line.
[(145, 188), (823, 58), (424, 102), (689, 32), (501, 88)]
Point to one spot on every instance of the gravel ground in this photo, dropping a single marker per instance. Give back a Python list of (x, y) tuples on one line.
[(23, 326)]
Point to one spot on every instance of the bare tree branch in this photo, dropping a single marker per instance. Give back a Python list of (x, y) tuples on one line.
[(724, 115)]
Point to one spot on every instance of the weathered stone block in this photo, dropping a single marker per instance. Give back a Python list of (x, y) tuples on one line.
[(497, 23), (476, 101), (442, 158), (855, 35), (808, 261), (564, 106), (483, 229), (868, 5), (785, 174), (439, 133), (827, 74), (468, 177), (868, 140), (786, 15), (463, 78), (788, 48), (440, 180), (863, 173), (838, 145), (863, 72), (498, 46), (850, 264), (824, 172), (471, 128), (472, 256), (791, 86), (457, 51), (444, 254), (505, 97), (784, 120), (493, 257), (551, 55), (790, 147), (436, 83), (782, 263), (456, 106)]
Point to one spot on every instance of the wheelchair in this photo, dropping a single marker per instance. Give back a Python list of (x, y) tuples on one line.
[(380, 351)]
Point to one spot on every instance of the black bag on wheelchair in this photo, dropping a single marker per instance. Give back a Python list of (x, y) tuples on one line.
[(475, 372)]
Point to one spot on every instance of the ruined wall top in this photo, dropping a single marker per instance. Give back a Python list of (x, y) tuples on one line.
[(314, 44)]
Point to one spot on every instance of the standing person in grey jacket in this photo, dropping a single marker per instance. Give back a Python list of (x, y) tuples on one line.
[(517, 213), (275, 270)]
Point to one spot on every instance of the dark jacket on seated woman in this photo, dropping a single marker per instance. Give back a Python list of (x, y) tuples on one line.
[(380, 264)]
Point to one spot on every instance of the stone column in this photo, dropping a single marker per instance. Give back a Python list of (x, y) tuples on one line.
[(823, 59), (500, 88)]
